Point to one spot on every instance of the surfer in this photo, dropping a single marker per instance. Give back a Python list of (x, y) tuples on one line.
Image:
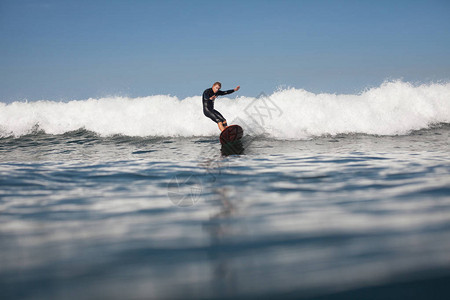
[(209, 95)]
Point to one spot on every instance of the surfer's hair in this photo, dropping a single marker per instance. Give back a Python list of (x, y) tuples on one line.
[(217, 83)]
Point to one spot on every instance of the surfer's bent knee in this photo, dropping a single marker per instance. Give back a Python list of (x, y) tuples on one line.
[(215, 116)]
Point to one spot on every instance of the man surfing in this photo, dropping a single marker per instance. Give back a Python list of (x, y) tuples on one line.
[(209, 95)]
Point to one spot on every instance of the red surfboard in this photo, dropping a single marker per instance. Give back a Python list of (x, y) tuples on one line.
[(231, 133)]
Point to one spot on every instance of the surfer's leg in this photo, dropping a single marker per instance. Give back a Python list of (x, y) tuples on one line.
[(221, 120), (216, 117), (219, 116), (222, 125), (211, 114)]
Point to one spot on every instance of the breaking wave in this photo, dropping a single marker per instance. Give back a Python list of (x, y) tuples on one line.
[(393, 108)]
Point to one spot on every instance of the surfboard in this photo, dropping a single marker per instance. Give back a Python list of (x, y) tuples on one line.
[(230, 134)]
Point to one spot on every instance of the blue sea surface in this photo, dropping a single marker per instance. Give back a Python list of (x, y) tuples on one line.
[(347, 216)]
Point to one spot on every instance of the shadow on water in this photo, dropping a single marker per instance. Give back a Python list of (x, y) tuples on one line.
[(232, 148), (219, 229)]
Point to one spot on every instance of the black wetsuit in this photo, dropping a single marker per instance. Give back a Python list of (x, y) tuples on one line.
[(208, 105)]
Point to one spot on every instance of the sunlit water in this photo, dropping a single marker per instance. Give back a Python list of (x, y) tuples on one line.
[(83, 216)]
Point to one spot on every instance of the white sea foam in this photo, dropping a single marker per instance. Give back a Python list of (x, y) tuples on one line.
[(390, 109)]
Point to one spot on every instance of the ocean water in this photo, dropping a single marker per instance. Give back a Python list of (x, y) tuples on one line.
[(327, 196)]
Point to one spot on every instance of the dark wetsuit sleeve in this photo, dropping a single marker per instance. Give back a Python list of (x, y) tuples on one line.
[(220, 93)]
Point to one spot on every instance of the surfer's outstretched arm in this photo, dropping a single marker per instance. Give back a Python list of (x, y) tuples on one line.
[(220, 93)]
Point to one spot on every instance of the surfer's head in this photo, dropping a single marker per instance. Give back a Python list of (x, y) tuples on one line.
[(216, 86)]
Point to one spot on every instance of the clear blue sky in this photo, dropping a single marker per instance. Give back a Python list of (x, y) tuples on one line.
[(63, 50)]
